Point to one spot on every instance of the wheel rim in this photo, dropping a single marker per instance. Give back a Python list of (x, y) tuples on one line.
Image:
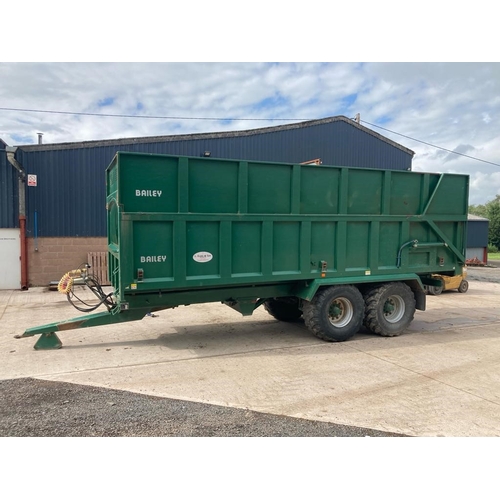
[(340, 312), (394, 309)]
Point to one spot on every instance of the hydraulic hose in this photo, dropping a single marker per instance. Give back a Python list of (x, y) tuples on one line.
[(412, 243), (66, 283)]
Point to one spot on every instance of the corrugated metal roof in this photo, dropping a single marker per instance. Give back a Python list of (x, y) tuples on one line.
[(476, 217), (216, 135)]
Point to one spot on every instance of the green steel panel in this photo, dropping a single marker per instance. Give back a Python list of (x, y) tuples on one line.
[(213, 188), (365, 192), (319, 193), (405, 193), (269, 189), (205, 222), (286, 247), (153, 255), (451, 197), (420, 259), (246, 255), (390, 236), (323, 245), (203, 250), (151, 191), (113, 222), (357, 246)]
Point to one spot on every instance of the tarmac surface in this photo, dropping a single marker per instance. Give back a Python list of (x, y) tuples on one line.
[(204, 370)]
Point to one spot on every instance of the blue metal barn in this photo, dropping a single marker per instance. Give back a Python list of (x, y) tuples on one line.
[(69, 199)]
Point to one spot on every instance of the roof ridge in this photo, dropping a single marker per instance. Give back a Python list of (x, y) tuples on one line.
[(211, 135)]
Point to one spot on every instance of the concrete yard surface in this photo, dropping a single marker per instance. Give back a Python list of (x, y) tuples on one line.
[(440, 378)]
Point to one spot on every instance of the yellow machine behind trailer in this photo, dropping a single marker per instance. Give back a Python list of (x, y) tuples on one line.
[(458, 282)]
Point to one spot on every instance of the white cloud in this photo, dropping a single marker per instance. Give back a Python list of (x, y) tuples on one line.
[(484, 187), (452, 105), (486, 117)]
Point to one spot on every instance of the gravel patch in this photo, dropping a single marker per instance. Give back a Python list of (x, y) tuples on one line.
[(490, 273), (39, 408)]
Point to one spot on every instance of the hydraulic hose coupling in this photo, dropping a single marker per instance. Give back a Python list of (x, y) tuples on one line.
[(66, 282)]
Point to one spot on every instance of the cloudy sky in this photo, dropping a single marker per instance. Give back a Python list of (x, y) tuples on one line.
[(454, 106)]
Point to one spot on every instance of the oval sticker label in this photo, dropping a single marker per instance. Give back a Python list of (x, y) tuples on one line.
[(202, 257)]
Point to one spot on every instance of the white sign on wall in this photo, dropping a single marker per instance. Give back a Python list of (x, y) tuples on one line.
[(32, 180)]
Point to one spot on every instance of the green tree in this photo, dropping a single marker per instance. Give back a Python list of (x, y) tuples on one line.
[(479, 210), (494, 225)]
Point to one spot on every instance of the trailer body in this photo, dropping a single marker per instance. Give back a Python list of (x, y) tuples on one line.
[(184, 230)]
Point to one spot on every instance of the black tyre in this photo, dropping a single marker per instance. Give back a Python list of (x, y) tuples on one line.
[(437, 290), (464, 286), (389, 309), (283, 309), (335, 313)]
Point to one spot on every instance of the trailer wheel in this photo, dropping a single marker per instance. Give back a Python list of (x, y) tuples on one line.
[(335, 314), (389, 309), (283, 309), (464, 286)]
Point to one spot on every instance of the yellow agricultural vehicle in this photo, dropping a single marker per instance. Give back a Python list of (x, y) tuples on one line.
[(459, 283)]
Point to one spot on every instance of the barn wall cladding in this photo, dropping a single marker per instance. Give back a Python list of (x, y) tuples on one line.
[(477, 238), (68, 203), (9, 200), (69, 199), (477, 232)]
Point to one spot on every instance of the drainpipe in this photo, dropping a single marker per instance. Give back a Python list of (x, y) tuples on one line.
[(11, 151)]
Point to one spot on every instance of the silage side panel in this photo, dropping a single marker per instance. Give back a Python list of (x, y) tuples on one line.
[(179, 222)]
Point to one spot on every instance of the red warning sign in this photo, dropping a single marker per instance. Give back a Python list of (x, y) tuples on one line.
[(31, 180)]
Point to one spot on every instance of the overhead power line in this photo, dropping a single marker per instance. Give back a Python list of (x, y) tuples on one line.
[(236, 119), (429, 144), (154, 117)]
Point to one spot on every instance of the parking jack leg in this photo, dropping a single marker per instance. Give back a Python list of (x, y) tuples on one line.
[(48, 341)]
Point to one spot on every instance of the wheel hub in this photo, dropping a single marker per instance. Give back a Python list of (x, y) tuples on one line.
[(388, 308), (335, 311), (340, 312), (394, 308)]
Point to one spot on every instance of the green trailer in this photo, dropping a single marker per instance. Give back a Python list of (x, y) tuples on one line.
[(341, 247)]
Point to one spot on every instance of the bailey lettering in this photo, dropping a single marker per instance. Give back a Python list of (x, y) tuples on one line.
[(153, 258), (152, 193)]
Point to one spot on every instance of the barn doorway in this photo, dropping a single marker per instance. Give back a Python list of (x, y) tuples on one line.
[(10, 259)]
